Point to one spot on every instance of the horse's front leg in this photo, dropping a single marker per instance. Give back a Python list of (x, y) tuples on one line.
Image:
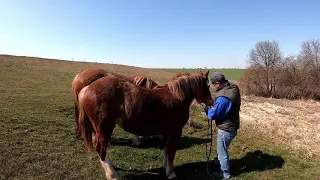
[(102, 139), (170, 152)]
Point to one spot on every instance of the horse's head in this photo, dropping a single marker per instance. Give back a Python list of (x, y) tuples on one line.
[(191, 85), (203, 94)]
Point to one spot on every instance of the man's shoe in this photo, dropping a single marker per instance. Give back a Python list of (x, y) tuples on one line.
[(216, 161), (220, 175), (217, 174)]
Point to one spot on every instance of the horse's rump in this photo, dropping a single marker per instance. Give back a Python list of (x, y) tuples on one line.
[(90, 75)]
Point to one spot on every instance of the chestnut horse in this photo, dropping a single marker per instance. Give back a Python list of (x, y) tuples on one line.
[(88, 76), (162, 110)]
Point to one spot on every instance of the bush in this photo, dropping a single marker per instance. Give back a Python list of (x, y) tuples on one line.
[(293, 77)]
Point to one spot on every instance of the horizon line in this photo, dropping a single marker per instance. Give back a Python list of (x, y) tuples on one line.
[(84, 61)]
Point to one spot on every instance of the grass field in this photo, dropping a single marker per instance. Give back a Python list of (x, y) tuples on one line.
[(37, 125)]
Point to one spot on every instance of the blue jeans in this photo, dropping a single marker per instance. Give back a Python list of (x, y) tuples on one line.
[(224, 139)]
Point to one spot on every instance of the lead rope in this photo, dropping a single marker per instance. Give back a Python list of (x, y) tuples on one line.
[(208, 155), (208, 167)]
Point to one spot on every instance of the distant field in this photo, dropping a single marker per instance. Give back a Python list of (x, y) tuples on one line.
[(231, 74)]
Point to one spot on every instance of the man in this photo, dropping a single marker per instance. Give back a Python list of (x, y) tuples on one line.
[(225, 113)]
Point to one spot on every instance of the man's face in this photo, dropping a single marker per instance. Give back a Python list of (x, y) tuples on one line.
[(217, 85)]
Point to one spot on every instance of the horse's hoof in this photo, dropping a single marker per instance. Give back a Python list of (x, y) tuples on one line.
[(172, 176), (113, 177), (136, 142)]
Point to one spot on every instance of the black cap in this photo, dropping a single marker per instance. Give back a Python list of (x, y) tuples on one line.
[(217, 77)]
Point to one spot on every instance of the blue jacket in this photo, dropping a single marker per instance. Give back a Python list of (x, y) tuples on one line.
[(221, 108)]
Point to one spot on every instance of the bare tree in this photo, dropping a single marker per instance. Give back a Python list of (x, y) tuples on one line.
[(293, 77), (266, 56), (310, 57)]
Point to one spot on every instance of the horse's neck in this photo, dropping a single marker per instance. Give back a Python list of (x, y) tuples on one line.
[(188, 100)]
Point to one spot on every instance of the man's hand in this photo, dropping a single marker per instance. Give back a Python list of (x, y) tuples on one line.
[(205, 109)]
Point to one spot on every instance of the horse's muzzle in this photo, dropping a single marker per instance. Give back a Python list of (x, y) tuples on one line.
[(208, 102)]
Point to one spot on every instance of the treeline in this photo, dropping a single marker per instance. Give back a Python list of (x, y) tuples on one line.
[(270, 74)]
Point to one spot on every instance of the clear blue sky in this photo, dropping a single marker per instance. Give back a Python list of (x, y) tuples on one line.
[(155, 33)]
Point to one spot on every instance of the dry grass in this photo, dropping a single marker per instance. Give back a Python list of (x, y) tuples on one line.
[(291, 123)]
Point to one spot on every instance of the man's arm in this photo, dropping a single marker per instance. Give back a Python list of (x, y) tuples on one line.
[(221, 108)]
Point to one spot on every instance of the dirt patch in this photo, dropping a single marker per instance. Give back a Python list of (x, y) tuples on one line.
[(293, 123)]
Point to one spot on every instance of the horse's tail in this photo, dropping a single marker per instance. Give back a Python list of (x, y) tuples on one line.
[(74, 91), (84, 122)]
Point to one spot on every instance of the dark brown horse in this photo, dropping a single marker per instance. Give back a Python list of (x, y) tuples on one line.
[(162, 110), (88, 76)]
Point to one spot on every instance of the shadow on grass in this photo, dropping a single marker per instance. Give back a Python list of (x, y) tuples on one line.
[(253, 161), (155, 142)]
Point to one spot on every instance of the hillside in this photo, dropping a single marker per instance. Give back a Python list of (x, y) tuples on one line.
[(278, 139), (74, 67)]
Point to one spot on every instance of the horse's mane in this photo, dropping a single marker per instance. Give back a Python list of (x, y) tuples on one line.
[(183, 84), (150, 83), (139, 79), (180, 74), (144, 81)]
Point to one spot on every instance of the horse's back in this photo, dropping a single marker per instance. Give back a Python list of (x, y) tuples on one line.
[(93, 74)]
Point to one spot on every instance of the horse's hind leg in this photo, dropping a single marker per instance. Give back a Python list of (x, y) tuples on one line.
[(77, 134), (103, 137), (170, 152), (135, 140)]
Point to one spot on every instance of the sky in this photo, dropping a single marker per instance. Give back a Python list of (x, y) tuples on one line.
[(155, 33)]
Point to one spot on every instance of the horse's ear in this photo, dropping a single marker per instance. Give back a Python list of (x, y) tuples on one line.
[(207, 73), (199, 70)]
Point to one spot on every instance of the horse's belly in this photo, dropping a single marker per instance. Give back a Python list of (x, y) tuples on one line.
[(139, 128)]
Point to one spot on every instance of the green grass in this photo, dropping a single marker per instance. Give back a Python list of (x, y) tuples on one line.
[(231, 74), (37, 125)]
